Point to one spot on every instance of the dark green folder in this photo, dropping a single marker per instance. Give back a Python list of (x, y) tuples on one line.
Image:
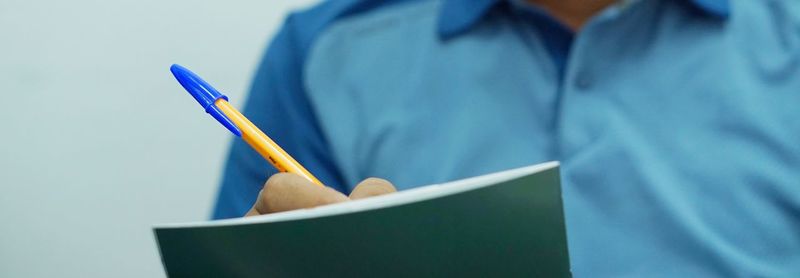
[(507, 224)]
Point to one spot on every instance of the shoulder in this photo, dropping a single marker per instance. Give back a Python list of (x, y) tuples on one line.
[(302, 28), (371, 44)]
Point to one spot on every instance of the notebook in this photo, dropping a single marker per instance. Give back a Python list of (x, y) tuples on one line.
[(504, 224)]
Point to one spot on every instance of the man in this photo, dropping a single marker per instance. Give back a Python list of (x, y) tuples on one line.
[(676, 121)]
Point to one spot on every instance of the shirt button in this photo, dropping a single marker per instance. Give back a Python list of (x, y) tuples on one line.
[(583, 81)]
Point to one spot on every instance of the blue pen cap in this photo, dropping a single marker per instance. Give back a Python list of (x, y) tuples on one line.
[(204, 94)]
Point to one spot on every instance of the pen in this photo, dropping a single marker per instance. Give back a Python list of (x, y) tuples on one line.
[(216, 104)]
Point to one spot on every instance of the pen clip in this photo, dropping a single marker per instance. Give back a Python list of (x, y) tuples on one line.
[(204, 94)]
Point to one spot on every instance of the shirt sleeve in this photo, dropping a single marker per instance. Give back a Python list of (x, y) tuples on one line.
[(277, 104)]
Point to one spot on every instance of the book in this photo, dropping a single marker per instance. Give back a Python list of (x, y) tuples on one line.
[(505, 224)]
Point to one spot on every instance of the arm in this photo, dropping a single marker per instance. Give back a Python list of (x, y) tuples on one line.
[(278, 105)]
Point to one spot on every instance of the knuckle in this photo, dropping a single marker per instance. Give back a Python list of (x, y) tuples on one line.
[(376, 181), (276, 182)]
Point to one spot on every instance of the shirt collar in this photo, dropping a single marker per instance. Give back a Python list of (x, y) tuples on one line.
[(457, 16)]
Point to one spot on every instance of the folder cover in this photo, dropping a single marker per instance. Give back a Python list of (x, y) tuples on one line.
[(505, 224)]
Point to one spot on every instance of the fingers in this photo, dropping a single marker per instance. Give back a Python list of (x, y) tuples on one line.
[(372, 187), (285, 191)]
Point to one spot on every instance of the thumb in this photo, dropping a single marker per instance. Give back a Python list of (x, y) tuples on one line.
[(372, 187), (284, 191)]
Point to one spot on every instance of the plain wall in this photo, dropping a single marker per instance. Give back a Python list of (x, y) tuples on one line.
[(98, 142)]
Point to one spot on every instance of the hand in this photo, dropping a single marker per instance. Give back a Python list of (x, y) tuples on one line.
[(285, 191)]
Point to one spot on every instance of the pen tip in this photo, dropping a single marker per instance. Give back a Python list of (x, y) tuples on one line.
[(204, 93)]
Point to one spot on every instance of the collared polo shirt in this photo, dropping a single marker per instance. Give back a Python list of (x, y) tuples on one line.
[(677, 122)]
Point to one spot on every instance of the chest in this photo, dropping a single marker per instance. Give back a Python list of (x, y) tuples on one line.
[(426, 111)]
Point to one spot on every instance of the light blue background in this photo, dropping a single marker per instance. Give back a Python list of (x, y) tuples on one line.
[(98, 140)]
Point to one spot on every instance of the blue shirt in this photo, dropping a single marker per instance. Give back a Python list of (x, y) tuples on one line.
[(677, 122)]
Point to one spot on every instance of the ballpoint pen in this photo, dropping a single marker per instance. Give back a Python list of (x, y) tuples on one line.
[(216, 104)]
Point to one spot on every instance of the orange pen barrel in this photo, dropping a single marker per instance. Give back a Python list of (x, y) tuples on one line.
[(263, 144)]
